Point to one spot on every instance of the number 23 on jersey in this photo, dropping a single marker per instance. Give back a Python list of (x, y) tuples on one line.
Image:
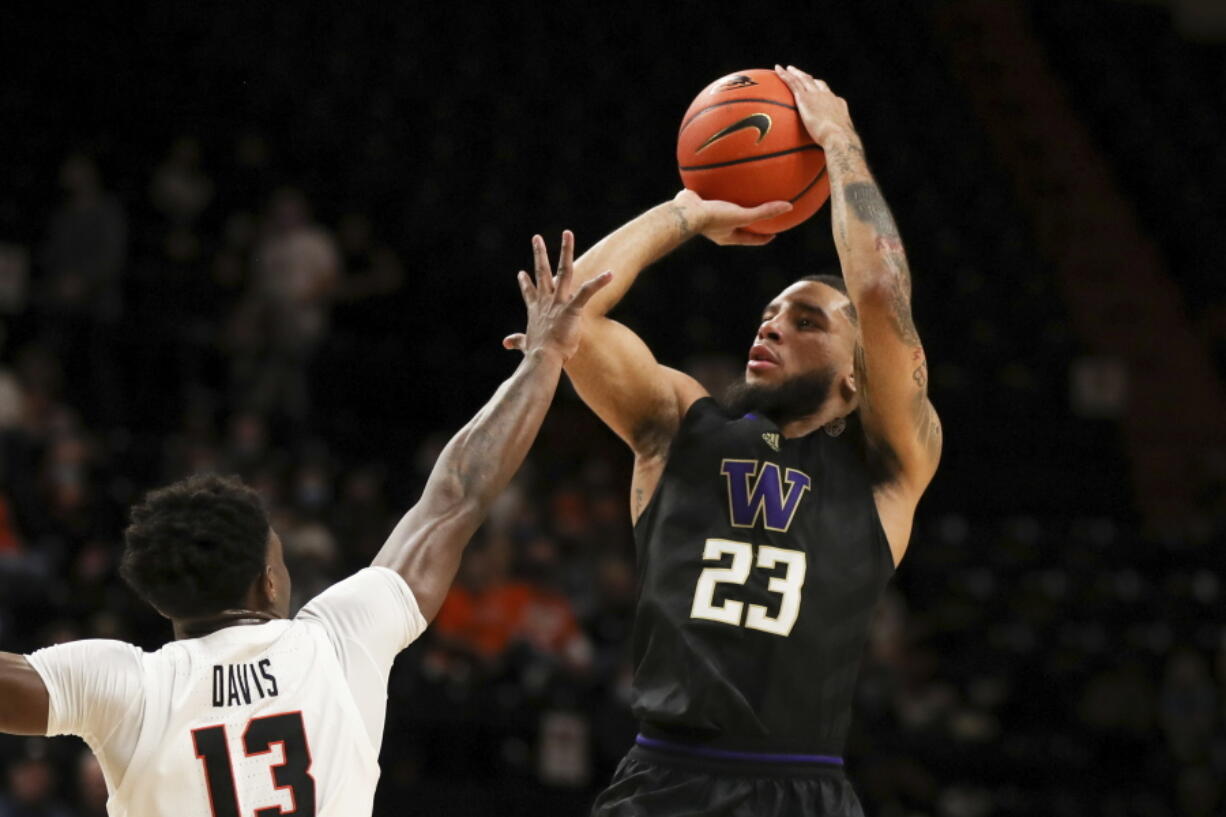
[(737, 613)]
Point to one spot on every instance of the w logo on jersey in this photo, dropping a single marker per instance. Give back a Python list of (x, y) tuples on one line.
[(756, 490)]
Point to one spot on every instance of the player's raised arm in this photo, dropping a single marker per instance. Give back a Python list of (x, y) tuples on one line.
[(23, 697), (891, 369), (481, 458), (614, 372), (641, 242)]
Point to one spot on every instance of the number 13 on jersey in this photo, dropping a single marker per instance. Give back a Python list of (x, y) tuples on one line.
[(730, 611), (292, 774)]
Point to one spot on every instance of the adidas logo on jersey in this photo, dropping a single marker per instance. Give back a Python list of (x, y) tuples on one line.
[(771, 439)]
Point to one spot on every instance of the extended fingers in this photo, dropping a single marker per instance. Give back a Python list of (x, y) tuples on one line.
[(590, 288), (525, 286), (566, 263), (540, 263)]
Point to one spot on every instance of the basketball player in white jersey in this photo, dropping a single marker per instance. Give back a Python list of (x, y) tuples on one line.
[(251, 712)]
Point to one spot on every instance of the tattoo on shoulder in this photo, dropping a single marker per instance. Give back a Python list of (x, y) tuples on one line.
[(683, 224)]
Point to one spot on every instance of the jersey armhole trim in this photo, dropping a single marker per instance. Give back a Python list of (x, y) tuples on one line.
[(883, 538)]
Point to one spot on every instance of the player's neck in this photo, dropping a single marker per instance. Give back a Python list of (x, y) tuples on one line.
[(200, 627), (802, 426)]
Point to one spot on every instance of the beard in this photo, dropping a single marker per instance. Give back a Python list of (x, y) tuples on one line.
[(783, 402)]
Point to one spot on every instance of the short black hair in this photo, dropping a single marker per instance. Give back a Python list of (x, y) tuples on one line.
[(835, 282), (194, 548)]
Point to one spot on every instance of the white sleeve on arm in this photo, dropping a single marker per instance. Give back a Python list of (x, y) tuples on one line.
[(92, 685), (373, 613)]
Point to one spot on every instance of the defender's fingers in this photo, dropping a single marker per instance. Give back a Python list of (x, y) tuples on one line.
[(566, 263), (525, 286), (540, 263), (590, 288), (515, 341)]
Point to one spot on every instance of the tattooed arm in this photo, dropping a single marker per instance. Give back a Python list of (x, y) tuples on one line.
[(614, 372), (479, 461), (891, 369)]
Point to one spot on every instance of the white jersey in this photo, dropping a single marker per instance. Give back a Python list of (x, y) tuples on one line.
[(281, 718)]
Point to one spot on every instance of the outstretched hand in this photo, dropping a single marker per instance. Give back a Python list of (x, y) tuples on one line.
[(724, 222), (554, 322)]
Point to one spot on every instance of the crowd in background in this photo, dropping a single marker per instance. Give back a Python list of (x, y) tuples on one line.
[(316, 307)]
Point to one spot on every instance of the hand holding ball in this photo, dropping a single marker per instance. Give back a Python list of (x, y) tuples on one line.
[(742, 140)]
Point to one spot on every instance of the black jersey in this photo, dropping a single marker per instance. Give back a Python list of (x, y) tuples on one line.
[(760, 561)]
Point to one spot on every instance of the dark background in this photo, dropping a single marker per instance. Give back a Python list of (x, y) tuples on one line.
[(1054, 642)]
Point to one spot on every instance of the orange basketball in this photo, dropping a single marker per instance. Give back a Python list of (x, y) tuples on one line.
[(742, 140)]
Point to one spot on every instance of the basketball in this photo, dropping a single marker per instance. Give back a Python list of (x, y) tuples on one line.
[(742, 140)]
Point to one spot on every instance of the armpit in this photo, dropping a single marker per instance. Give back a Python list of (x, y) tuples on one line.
[(882, 461), (652, 438)]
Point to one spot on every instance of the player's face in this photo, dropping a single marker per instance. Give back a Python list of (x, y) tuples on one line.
[(806, 329), (277, 575)]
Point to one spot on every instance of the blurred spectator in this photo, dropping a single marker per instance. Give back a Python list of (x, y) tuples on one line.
[(14, 278), (86, 249), (371, 268), (360, 517), (495, 619), (611, 619), (1188, 706), (284, 315), (247, 444), (10, 541), (81, 296), (12, 401), (180, 190), (31, 791), (310, 553)]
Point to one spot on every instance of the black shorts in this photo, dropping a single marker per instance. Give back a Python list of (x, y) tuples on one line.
[(654, 783)]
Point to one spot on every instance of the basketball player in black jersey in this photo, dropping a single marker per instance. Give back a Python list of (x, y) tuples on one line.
[(767, 529)]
